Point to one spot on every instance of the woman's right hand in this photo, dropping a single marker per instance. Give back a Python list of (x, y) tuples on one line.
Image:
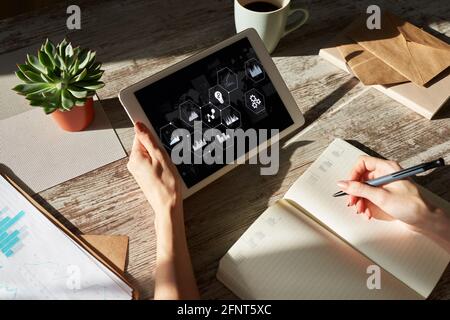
[(398, 200)]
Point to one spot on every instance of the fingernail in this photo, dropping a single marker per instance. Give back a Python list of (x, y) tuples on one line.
[(139, 126), (342, 184)]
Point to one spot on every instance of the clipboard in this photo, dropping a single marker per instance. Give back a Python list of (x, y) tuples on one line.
[(84, 243)]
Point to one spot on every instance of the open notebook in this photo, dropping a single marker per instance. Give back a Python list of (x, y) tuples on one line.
[(310, 245), (40, 259)]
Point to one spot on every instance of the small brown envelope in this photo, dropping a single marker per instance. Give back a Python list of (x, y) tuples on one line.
[(113, 248), (398, 52)]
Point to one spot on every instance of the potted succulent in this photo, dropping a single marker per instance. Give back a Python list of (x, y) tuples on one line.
[(62, 80)]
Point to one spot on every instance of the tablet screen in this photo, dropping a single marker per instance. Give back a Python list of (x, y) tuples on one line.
[(228, 89)]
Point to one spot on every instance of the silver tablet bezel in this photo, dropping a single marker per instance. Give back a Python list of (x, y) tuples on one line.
[(136, 113)]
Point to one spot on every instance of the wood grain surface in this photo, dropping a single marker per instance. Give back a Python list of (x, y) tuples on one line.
[(138, 38)]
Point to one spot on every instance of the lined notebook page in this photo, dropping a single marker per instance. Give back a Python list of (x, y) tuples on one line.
[(411, 257), (286, 255), (39, 261)]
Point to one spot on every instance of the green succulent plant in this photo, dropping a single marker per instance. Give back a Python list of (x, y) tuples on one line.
[(60, 77)]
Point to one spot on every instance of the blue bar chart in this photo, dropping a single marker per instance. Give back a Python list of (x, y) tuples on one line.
[(9, 236)]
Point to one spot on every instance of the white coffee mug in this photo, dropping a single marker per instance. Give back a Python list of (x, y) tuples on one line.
[(270, 25)]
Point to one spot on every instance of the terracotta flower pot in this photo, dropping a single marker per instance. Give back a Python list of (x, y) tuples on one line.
[(77, 119)]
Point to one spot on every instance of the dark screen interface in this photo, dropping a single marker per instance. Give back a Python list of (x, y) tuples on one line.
[(228, 89)]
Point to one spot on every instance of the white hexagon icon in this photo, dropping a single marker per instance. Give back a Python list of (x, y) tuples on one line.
[(254, 101), (211, 115), (219, 97), (189, 112), (231, 118), (254, 70), (227, 79), (167, 137)]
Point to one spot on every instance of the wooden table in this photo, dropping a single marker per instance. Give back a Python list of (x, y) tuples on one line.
[(137, 38)]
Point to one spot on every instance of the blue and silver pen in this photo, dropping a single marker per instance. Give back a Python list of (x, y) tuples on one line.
[(402, 174)]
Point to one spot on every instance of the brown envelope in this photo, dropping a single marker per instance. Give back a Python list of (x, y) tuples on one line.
[(113, 248), (398, 52)]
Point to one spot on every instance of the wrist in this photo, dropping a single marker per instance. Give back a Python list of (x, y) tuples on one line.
[(170, 231), (164, 204), (169, 218), (438, 222)]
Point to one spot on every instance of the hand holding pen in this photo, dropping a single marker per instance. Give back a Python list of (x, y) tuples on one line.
[(399, 199), (399, 175)]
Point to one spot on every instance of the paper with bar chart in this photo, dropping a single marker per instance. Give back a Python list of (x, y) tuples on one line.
[(10, 241), (39, 261)]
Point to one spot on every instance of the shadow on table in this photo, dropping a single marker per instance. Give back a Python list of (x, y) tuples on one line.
[(444, 112), (159, 29), (314, 113), (116, 113), (436, 181), (120, 31), (329, 18)]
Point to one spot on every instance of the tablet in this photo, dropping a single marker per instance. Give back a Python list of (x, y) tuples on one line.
[(233, 85)]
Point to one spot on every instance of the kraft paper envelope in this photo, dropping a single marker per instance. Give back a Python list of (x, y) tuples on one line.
[(398, 52), (113, 248)]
